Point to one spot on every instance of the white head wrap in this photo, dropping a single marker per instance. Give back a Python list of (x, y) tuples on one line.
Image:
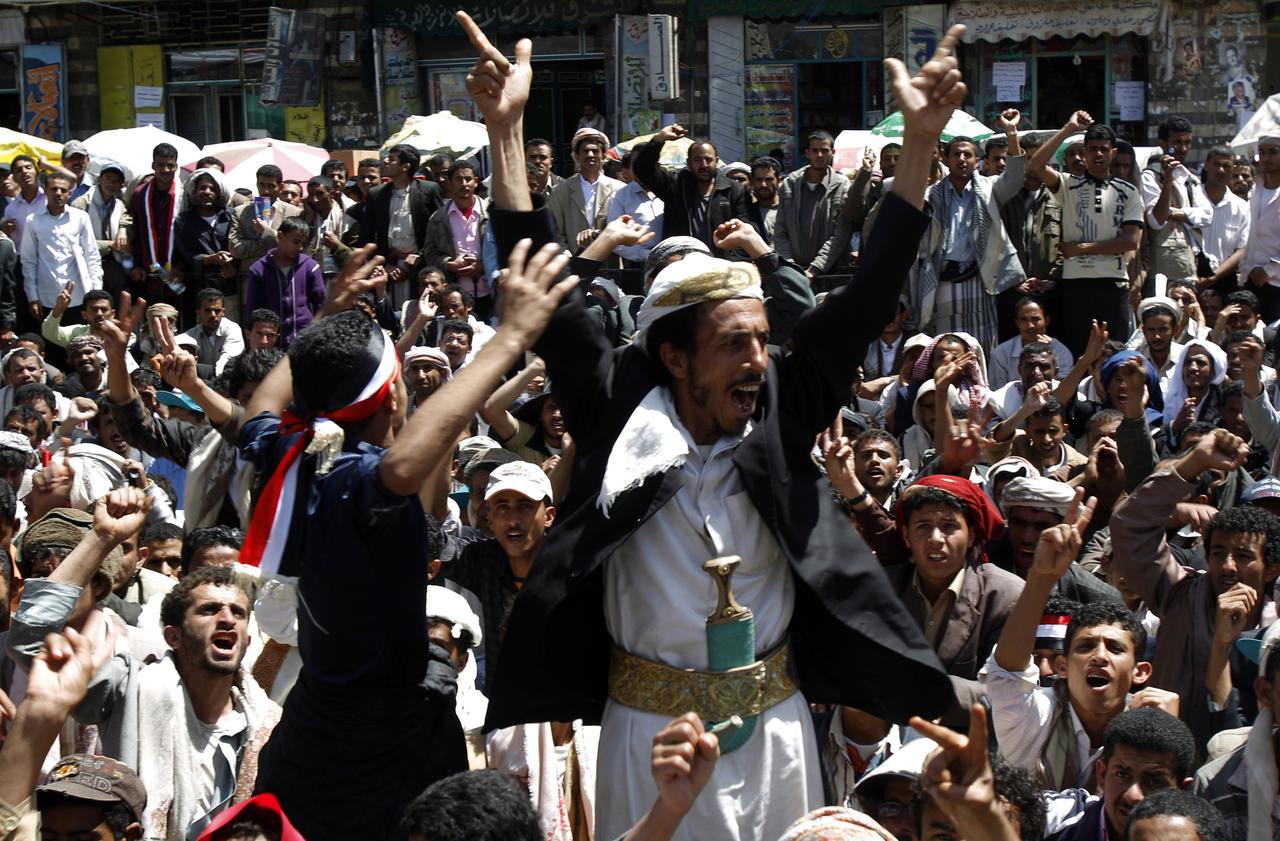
[(1148, 304), (1038, 492), (445, 604), (216, 175), (696, 279), (1176, 393)]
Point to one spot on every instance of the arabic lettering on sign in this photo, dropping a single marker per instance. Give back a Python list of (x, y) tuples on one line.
[(509, 16), (43, 105), (995, 21)]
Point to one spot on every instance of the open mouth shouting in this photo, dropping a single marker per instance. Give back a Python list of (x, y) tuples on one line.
[(744, 396), (1097, 679), (224, 644)]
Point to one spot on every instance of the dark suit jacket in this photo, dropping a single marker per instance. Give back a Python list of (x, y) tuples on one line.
[(425, 198), (852, 641), (8, 282), (677, 189), (986, 599)]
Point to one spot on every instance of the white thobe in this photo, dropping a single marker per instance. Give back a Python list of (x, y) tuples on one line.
[(657, 598)]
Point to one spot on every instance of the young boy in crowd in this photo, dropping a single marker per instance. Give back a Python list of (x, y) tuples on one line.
[(1058, 730), (287, 281)]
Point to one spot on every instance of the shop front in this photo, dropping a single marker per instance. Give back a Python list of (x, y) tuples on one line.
[(568, 74), (1049, 59), (805, 77), (574, 46)]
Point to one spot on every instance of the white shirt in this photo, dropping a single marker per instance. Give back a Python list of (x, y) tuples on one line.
[(645, 209), (1228, 229), (656, 602), (1023, 711), (1263, 250), (589, 191), (217, 350), (18, 209), (1138, 343), (57, 250), (1188, 196), (1008, 399), (400, 232), (880, 357), (1002, 366)]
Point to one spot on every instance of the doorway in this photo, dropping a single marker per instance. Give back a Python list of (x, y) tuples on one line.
[(830, 97), (1066, 84), (560, 90)]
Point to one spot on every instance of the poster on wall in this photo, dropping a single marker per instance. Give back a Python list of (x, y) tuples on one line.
[(291, 69), (636, 113), (449, 93), (771, 111), (399, 77), (44, 81)]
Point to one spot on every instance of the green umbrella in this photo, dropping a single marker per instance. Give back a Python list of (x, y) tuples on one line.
[(961, 124)]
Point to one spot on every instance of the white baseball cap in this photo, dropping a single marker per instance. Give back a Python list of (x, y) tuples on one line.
[(522, 477)]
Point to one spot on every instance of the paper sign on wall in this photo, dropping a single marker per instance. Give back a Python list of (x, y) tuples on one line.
[(1008, 78), (1130, 100), (146, 96), (149, 119)]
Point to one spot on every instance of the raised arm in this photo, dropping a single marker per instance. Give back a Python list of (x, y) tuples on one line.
[(646, 167), (1057, 550), (495, 411), (787, 291), (1010, 182), (56, 683), (500, 90), (926, 101), (1098, 336), (1039, 167), (1140, 551), (831, 340), (425, 312)]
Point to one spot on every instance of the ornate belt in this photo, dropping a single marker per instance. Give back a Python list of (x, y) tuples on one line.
[(715, 696)]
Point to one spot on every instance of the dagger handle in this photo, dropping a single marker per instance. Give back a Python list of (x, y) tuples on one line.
[(727, 608)]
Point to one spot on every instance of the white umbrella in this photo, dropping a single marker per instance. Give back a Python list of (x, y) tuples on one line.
[(131, 147), (242, 158), (441, 132), (1265, 121)]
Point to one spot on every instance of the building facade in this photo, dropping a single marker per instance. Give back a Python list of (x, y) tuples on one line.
[(756, 78)]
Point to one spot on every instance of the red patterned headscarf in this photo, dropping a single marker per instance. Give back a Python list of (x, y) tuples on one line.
[(986, 518)]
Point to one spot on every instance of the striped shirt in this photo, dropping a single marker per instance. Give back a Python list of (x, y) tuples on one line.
[(1095, 211)]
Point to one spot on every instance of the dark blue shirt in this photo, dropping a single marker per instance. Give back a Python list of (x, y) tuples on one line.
[(361, 558)]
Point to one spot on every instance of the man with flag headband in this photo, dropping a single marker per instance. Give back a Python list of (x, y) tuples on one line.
[(341, 520), (693, 444)]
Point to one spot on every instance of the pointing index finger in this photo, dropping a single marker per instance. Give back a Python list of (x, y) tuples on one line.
[(947, 46), (478, 40)]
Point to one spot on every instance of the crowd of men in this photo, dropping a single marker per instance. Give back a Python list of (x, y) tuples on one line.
[(376, 508)]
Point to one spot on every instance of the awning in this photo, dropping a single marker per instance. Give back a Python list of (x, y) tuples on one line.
[(526, 18), (785, 9), (996, 20)]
